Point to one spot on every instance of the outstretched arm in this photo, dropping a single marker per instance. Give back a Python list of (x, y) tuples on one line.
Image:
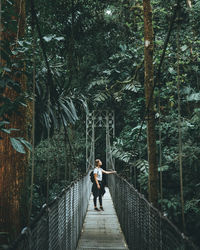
[(109, 172)]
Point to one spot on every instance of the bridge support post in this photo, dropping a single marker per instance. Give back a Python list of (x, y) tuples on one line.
[(99, 119)]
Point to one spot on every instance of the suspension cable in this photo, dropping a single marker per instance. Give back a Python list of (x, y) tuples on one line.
[(140, 168), (33, 121), (48, 138), (160, 154), (109, 148), (180, 125)]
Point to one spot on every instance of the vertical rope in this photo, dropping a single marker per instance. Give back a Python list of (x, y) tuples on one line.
[(179, 126), (139, 149), (86, 143), (33, 123), (66, 156), (93, 138), (160, 153), (109, 159), (131, 173), (71, 160), (107, 142), (48, 137), (135, 177)]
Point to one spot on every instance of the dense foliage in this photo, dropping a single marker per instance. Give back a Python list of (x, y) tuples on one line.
[(92, 52)]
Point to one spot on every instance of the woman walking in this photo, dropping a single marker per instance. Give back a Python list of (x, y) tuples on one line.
[(98, 186)]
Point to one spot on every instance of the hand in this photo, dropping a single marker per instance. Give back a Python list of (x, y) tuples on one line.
[(98, 186), (114, 172)]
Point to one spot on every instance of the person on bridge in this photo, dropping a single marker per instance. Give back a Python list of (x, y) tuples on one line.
[(98, 189)]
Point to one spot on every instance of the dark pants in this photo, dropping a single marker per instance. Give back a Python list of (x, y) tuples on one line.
[(98, 192), (95, 200)]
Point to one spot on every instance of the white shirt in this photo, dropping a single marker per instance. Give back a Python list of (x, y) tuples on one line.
[(98, 171)]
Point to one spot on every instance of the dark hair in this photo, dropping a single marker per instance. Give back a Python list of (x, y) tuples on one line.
[(97, 162)]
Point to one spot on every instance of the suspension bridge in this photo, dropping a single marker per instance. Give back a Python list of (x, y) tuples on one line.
[(128, 222)]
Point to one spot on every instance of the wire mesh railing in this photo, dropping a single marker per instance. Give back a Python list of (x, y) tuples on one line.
[(58, 226), (143, 226)]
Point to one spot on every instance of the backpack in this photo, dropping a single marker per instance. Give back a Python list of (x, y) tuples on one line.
[(92, 176)]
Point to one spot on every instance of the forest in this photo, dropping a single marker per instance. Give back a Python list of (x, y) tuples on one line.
[(61, 60)]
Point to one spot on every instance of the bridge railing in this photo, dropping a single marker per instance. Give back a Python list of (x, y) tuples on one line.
[(144, 227), (58, 226)]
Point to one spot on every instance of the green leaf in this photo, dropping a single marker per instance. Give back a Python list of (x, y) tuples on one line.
[(25, 142), (6, 69), (23, 104), (85, 106), (3, 123), (48, 38), (17, 145), (183, 48), (163, 168), (123, 47), (60, 38), (194, 97), (172, 71), (20, 43), (107, 72), (100, 97), (6, 130), (9, 2)]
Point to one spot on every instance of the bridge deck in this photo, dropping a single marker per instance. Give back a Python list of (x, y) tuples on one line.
[(101, 230)]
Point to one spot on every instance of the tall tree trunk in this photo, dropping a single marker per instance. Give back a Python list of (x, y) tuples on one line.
[(149, 87), (13, 164)]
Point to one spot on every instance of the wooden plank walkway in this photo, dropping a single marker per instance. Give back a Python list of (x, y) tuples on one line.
[(101, 230)]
